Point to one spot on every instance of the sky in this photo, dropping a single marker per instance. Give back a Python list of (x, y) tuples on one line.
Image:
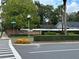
[(72, 5), (0, 2)]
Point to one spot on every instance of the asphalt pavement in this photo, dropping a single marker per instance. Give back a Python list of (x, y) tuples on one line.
[(5, 50), (49, 51)]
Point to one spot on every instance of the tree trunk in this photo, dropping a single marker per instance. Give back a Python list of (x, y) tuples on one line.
[(65, 21)]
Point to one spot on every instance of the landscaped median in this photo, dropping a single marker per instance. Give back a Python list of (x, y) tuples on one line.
[(56, 38)]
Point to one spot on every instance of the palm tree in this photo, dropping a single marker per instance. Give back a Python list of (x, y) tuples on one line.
[(65, 21)]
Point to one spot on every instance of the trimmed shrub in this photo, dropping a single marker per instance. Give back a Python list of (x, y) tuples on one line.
[(55, 38), (50, 33), (71, 33), (22, 41)]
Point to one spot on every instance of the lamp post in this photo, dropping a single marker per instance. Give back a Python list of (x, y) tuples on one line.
[(29, 18), (65, 21)]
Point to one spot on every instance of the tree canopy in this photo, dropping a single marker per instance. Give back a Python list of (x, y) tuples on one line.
[(47, 11), (17, 10)]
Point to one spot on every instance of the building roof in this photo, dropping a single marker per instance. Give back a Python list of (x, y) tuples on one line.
[(70, 25)]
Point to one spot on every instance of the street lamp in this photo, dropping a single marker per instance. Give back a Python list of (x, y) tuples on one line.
[(29, 18)]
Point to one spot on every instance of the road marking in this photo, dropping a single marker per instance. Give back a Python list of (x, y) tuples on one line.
[(8, 58), (4, 49), (16, 54), (64, 50), (5, 52), (6, 55)]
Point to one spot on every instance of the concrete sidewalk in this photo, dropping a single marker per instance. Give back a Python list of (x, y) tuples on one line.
[(4, 36)]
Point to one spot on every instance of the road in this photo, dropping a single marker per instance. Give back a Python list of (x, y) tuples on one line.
[(49, 51), (5, 50)]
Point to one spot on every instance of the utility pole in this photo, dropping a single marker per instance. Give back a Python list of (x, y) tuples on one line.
[(64, 16)]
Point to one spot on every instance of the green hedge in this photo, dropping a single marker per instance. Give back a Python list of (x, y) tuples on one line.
[(50, 33), (55, 38)]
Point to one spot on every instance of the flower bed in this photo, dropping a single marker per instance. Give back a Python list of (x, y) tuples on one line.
[(23, 41)]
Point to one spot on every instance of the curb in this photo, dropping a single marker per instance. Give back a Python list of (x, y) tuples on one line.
[(58, 43), (33, 44), (38, 44)]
